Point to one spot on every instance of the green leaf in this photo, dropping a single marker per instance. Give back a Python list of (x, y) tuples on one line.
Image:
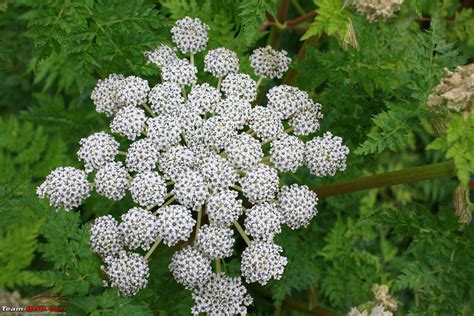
[(439, 257), (458, 144), (17, 246), (393, 131), (77, 41), (332, 19), (25, 147), (67, 249)]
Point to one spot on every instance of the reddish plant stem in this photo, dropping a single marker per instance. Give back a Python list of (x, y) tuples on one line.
[(271, 21), (431, 171), (300, 19), (282, 10), (275, 33)]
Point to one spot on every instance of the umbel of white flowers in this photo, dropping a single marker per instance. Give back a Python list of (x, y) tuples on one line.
[(199, 152)]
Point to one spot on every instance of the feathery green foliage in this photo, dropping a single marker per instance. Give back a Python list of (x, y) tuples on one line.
[(373, 81)]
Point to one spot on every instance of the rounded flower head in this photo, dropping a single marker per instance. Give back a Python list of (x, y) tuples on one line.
[(298, 205), (286, 100), (148, 189), (190, 267), (104, 94), (161, 56), (176, 160), (326, 155), (218, 172), (139, 228), (180, 72), (133, 91), (221, 61), (244, 151), (190, 35), (306, 120), (217, 131), (190, 119), (142, 156), (263, 221), (223, 208), (235, 110), (65, 187), (112, 181), (377, 10), (204, 98), (164, 131), (240, 86), (215, 241), (260, 184), (287, 153), (266, 123), (97, 150), (261, 262), (269, 63), (175, 223), (191, 189), (128, 272), (221, 295), (166, 98), (105, 239), (129, 122)]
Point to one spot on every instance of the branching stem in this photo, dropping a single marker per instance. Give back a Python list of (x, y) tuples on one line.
[(171, 200), (152, 249), (236, 187), (149, 110), (183, 91), (259, 82), (242, 233), (198, 224)]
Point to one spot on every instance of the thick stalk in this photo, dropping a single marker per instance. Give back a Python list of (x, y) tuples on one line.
[(218, 265), (275, 33), (431, 171)]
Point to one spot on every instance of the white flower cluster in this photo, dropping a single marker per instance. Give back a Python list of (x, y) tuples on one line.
[(191, 164), (269, 63), (127, 271)]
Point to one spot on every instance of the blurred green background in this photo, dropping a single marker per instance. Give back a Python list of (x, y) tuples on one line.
[(372, 79)]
